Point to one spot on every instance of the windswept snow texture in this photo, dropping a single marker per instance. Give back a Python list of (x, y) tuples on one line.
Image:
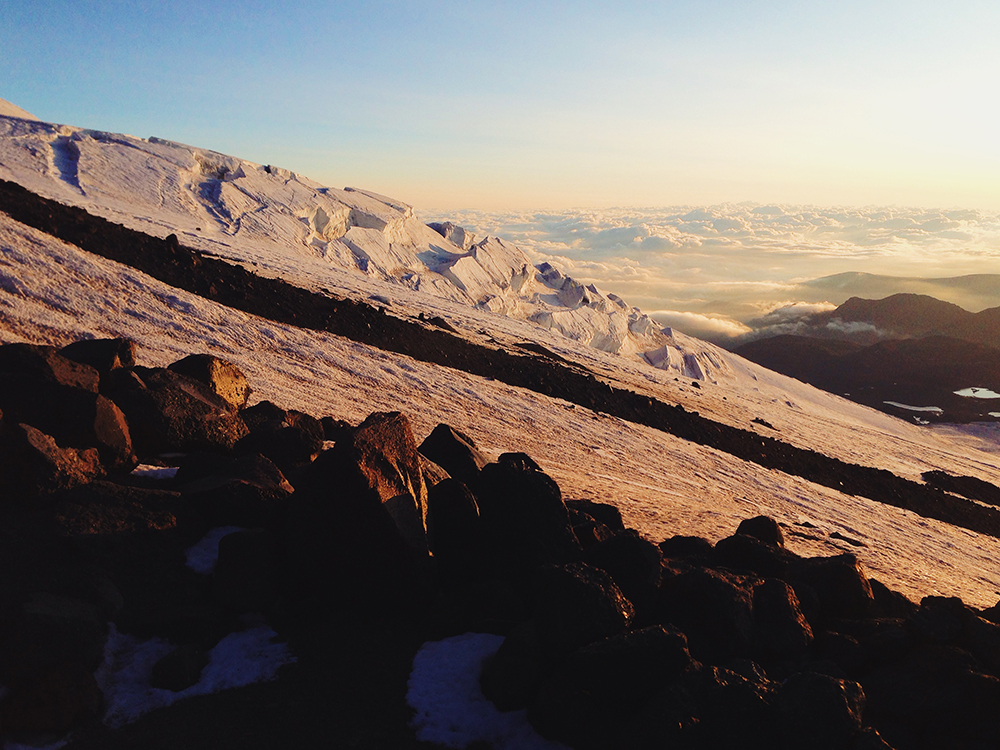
[(450, 708), (286, 225), (238, 659)]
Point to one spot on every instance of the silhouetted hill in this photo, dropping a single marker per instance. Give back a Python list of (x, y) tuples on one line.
[(901, 315), (919, 372)]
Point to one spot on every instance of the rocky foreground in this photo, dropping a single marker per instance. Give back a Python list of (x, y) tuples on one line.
[(357, 545)]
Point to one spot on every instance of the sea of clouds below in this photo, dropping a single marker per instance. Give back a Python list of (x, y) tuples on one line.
[(738, 271)]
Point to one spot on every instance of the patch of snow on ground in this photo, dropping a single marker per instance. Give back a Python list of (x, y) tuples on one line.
[(237, 660), (934, 409), (201, 558), (450, 708), (155, 472), (977, 392)]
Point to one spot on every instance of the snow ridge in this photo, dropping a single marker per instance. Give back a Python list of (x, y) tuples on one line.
[(228, 206)]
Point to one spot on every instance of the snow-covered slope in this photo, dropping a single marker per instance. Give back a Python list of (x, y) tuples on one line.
[(281, 221), (53, 292)]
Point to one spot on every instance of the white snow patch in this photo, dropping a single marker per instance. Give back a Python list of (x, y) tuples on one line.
[(450, 708), (155, 472), (201, 558), (933, 409), (976, 392), (237, 660)]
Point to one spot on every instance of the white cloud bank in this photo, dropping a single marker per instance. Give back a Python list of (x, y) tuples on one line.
[(716, 270)]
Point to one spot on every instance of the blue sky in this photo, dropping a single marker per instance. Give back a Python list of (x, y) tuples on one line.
[(543, 104)]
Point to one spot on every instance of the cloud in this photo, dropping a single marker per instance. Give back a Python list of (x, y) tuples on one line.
[(708, 327), (762, 267)]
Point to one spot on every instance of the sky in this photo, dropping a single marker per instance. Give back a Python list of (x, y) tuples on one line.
[(543, 105)]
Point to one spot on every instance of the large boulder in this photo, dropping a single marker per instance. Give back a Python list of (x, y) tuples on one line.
[(291, 439), (781, 631), (40, 387), (455, 452), (816, 711), (587, 700), (247, 491), (245, 578), (577, 604), (713, 608), (524, 518), (104, 355), (455, 534), (633, 563), (831, 588), (174, 413), (224, 378)]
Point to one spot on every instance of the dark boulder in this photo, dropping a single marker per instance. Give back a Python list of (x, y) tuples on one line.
[(51, 701), (693, 548), (817, 711), (510, 678), (839, 588), (591, 695), (748, 554), (335, 429), (632, 562), (31, 363), (713, 608), (780, 629), (247, 491), (575, 605), (224, 378), (889, 603), (104, 355), (524, 519), (455, 534), (34, 465), (455, 452), (764, 528), (603, 513)]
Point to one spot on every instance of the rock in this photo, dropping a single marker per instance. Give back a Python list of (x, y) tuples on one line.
[(840, 584), (589, 532), (714, 609), (292, 442), (44, 364), (50, 630), (335, 429), (103, 509), (577, 604), (35, 465), (455, 452), (632, 562), (939, 620), (264, 415), (780, 629), (175, 413), (842, 650), (817, 711), (748, 554), (889, 603), (180, 669), (687, 548), (247, 491), (524, 519), (433, 474), (104, 355), (603, 513), (455, 534), (245, 578), (764, 528), (590, 696), (224, 378)]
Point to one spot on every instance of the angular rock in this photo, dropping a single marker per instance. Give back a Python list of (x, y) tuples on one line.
[(889, 603), (603, 513), (455, 452), (44, 364), (35, 465), (840, 584), (51, 701), (764, 528), (335, 429), (597, 689), (781, 631), (817, 711), (455, 534), (714, 609), (104, 355), (575, 605), (686, 548), (175, 413), (524, 519), (247, 491), (224, 378), (510, 679), (748, 554), (433, 474), (632, 562)]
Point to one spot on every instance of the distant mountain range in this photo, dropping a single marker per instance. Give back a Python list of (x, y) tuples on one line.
[(907, 354)]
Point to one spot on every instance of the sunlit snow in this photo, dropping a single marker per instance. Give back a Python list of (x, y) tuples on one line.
[(933, 409), (977, 393)]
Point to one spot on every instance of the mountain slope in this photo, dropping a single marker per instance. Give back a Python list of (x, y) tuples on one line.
[(664, 484)]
